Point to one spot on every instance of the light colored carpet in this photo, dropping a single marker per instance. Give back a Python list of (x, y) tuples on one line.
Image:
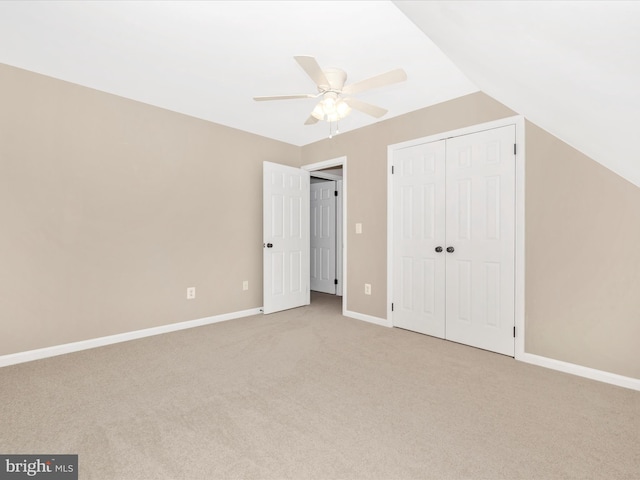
[(309, 394)]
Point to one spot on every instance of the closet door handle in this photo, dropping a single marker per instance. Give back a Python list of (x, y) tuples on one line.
[(451, 249), (269, 245), (438, 249)]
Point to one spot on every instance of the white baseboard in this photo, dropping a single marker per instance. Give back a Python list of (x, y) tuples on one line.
[(367, 318), (579, 370), (46, 352)]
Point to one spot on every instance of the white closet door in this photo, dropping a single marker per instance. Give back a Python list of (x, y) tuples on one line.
[(419, 228), (480, 216), (286, 237), (323, 237)]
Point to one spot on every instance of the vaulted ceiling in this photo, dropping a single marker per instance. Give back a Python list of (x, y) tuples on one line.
[(572, 67)]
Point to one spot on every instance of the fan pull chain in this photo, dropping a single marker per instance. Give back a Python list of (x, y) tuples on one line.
[(337, 129)]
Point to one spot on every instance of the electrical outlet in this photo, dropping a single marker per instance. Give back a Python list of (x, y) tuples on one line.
[(245, 285), (367, 289), (358, 228), (191, 293)]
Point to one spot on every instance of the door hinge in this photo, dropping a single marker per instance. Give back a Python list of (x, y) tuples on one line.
[(335, 281), (515, 149), (392, 307), (514, 332), (335, 193), (392, 170)]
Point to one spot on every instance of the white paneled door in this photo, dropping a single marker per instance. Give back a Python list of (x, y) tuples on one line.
[(418, 238), (285, 237), (480, 239), (323, 237), (454, 239)]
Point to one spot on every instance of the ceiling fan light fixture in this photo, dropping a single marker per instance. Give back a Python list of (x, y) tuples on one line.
[(318, 111), (342, 109), (329, 104), (332, 118), (331, 109)]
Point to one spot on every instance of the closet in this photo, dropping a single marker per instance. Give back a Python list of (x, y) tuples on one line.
[(454, 239)]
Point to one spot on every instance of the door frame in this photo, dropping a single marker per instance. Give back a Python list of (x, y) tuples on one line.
[(519, 279), (338, 162)]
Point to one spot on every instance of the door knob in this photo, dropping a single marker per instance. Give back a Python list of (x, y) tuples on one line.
[(450, 249), (269, 245), (438, 249)]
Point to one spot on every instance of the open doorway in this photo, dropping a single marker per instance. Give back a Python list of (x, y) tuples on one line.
[(327, 225)]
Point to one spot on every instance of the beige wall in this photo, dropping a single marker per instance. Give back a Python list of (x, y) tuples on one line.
[(366, 152), (111, 208), (582, 235), (582, 259)]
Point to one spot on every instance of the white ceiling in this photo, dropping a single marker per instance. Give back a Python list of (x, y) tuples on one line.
[(208, 59), (572, 67)]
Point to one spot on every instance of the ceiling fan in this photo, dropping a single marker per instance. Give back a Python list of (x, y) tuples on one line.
[(331, 87)]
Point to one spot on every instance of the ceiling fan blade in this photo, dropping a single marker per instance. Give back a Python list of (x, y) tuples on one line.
[(285, 97), (365, 107), (394, 76), (311, 67), (311, 120)]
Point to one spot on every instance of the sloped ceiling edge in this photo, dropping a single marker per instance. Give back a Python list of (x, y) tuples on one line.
[(572, 68)]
